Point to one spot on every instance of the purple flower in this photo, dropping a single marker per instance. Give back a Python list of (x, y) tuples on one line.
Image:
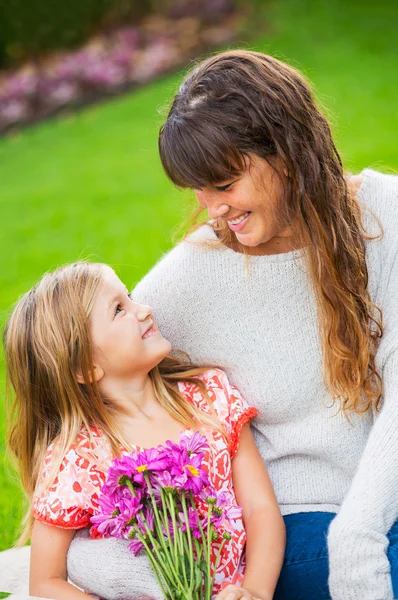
[(129, 507), (193, 522), (188, 472), (120, 470), (194, 444), (148, 461), (164, 480), (148, 518), (108, 521), (225, 512), (135, 546)]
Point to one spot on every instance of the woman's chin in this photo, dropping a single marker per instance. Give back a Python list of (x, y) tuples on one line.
[(249, 240)]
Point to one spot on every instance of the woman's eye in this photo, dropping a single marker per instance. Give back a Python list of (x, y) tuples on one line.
[(130, 296), (223, 188)]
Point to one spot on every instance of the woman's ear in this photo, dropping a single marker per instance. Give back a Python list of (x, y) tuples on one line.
[(98, 375)]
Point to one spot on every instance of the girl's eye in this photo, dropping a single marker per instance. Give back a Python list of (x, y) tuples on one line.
[(118, 309)]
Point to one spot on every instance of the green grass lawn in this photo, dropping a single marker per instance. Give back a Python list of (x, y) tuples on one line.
[(90, 185)]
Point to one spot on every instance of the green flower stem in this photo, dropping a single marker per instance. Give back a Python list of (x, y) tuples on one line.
[(199, 554), (209, 541), (169, 575), (181, 536), (178, 540), (159, 525), (217, 562), (189, 537), (166, 523), (203, 548), (202, 534), (155, 567), (173, 518)]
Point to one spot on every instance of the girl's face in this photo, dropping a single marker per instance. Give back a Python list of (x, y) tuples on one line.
[(250, 204), (126, 341)]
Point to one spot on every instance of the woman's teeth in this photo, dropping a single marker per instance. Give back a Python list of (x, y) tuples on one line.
[(239, 219)]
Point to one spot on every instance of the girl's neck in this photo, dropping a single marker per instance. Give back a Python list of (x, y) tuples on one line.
[(133, 397)]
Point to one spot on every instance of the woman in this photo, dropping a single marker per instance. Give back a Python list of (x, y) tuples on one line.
[(292, 289)]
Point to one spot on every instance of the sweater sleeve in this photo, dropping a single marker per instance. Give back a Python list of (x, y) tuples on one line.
[(357, 539)]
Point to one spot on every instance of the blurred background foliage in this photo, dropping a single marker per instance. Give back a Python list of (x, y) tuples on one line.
[(31, 29), (62, 56), (89, 183)]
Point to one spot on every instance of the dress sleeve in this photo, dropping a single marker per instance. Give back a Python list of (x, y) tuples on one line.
[(72, 497), (232, 409)]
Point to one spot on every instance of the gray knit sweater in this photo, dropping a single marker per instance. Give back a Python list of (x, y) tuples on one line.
[(260, 326)]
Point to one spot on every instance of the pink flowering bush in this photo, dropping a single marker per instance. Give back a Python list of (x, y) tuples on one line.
[(162, 502), (115, 61)]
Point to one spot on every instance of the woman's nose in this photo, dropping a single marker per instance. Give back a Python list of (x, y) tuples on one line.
[(211, 202)]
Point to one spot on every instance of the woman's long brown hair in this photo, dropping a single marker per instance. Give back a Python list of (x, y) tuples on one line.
[(47, 342), (242, 103)]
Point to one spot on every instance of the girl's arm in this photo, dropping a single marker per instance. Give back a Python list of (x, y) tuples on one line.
[(48, 576), (265, 528)]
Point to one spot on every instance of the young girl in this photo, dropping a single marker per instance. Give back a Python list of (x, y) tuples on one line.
[(92, 379)]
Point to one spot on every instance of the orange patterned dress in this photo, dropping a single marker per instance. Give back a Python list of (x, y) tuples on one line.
[(72, 498)]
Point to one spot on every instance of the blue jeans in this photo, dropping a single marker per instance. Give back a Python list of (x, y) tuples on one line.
[(305, 571)]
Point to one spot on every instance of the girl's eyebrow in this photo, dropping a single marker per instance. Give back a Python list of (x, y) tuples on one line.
[(112, 302), (117, 298)]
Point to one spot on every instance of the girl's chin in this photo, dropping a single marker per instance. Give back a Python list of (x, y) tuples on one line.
[(165, 348)]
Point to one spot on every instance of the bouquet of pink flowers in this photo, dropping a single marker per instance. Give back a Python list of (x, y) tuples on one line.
[(161, 500)]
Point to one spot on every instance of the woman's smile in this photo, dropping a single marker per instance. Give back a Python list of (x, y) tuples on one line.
[(239, 223)]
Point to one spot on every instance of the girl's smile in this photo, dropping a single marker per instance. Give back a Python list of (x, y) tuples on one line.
[(150, 331)]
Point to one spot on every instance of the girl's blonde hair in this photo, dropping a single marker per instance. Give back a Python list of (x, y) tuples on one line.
[(239, 103), (47, 342)]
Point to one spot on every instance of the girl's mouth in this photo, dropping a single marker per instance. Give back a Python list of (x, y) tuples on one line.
[(239, 223), (149, 333)]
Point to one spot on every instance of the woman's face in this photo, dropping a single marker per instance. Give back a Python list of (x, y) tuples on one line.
[(251, 204)]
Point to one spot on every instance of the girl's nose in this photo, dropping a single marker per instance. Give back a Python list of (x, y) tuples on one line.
[(143, 312)]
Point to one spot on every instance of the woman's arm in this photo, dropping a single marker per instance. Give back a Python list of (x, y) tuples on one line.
[(263, 521), (357, 537), (48, 575)]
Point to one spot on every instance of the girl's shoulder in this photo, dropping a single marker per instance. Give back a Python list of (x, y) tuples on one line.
[(89, 446), (69, 484), (218, 388), (231, 409)]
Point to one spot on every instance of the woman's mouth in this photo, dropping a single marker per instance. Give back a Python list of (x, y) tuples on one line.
[(150, 332), (239, 223)]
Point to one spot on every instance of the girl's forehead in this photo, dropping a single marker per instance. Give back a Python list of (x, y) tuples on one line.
[(109, 278)]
